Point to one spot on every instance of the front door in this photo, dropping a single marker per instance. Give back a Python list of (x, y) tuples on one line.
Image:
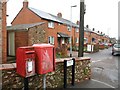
[(11, 44)]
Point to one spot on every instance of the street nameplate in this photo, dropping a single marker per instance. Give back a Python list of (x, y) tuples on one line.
[(69, 63)]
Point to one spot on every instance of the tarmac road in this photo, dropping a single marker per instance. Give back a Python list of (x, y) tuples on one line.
[(105, 67)]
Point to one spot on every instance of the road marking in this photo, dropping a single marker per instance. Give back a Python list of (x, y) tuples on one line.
[(102, 83), (96, 61)]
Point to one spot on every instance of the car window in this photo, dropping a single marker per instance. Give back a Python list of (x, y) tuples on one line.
[(117, 45)]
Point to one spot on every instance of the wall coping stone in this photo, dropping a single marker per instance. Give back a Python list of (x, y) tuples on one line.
[(58, 60)]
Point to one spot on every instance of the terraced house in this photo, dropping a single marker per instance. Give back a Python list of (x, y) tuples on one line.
[(32, 26), (57, 30)]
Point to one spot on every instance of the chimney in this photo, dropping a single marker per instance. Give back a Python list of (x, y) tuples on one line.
[(78, 22), (101, 33), (93, 29), (87, 26), (25, 4), (59, 15), (98, 31)]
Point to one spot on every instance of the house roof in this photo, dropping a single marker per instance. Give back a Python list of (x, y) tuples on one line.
[(48, 16), (89, 30), (23, 26), (63, 35)]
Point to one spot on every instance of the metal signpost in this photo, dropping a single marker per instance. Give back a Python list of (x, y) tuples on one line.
[(68, 63)]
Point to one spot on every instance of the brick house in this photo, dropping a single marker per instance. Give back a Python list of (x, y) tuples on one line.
[(94, 37), (59, 29)]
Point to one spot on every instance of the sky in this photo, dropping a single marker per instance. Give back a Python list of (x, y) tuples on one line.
[(100, 14)]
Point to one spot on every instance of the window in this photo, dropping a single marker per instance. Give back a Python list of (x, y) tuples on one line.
[(63, 41), (51, 40), (69, 40), (85, 40), (77, 29), (86, 33), (77, 40), (51, 24), (69, 28)]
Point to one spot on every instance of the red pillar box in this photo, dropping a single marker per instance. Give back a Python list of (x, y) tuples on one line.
[(25, 61), (45, 58)]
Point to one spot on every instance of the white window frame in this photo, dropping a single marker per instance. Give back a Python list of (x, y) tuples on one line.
[(51, 39), (77, 40), (69, 40), (77, 29), (69, 28), (63, 40), (51, 24)]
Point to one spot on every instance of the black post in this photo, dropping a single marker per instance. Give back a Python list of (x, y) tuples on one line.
[(26, 84), (81, 29), (73, 72), (65, 73)]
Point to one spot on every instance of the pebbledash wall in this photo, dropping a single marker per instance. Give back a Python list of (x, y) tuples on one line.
[(54, 79)]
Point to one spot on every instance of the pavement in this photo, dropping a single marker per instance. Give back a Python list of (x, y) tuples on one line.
[(91, 84)]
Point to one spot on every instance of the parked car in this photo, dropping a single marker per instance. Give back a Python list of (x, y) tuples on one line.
[(116, 49)]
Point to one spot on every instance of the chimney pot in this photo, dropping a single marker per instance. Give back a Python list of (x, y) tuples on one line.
[(87, 26), (59, 15), (25, 3), (78, 22)]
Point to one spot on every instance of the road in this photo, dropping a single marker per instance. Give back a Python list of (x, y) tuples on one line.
[(104, 67)]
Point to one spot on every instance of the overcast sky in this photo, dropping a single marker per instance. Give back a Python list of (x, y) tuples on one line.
[(100, 14)]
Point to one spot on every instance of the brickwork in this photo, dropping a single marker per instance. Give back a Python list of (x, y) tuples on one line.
[(53, 80), (21, 39), (0, 32), (30, 36), (4, 33), (26, 16)]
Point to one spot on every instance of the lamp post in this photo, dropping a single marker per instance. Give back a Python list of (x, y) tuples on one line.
[(71, 30)]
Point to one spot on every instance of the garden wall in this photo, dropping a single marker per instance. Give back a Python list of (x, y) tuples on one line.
[(55, 79)]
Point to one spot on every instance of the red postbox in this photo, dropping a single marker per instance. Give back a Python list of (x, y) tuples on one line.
[(25, 61), (45, 58)]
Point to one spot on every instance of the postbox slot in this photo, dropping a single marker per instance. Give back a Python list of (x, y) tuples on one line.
[(30, 52)]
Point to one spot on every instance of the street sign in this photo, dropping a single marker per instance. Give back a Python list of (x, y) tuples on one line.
[(69, 63)]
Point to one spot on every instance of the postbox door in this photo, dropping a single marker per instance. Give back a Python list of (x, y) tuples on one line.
[(30, 64), (47, 60)]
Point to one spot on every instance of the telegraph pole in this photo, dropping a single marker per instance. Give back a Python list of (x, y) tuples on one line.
[(81, 29)]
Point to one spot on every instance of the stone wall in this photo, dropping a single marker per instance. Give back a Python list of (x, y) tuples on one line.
[(55, 79), (37, 35)]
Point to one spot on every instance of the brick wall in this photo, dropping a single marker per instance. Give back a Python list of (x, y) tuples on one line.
[(0, 32), (4, 33), (26, 16), (21, 39), (33, 35)]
